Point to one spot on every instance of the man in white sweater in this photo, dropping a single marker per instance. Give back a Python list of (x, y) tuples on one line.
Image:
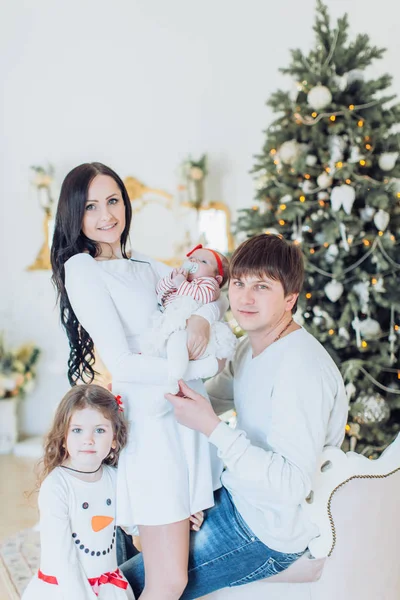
[(290, 402)]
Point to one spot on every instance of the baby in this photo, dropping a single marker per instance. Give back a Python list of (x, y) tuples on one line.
[(197, 282)]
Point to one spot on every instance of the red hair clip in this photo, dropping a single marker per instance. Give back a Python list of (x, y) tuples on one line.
[(120, 403)]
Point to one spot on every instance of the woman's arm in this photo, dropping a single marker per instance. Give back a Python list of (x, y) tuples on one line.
[(96, 312), (58, 552)]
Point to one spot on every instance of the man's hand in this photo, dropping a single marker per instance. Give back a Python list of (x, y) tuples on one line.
[(198, 330), (196, 520), (193, 410)]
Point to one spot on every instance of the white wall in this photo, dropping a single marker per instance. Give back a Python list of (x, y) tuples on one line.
[(137, 84)]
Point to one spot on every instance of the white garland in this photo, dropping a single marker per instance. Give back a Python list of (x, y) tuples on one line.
[(376, 382)]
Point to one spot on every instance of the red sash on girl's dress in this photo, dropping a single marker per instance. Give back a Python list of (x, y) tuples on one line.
[(115, 578)]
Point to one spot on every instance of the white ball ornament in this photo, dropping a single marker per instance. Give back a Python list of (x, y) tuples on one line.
[(286, 198), (367, 213), (370, 329), (333, 290), (381, 220), (319, 97), (324, 180), (387, 160), (311, 160), (289, 151)]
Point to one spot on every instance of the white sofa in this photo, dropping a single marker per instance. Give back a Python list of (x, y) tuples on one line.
[(356, 504)]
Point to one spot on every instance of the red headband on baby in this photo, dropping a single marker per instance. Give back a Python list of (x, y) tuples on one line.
[(217, 257)]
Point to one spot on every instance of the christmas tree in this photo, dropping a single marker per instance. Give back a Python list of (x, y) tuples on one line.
[(328, 179)]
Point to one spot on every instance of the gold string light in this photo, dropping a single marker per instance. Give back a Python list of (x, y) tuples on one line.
[(360, 123), (364, 344), (308, 295), (331, 331), (363, 162), (302, 198), (283, 207)]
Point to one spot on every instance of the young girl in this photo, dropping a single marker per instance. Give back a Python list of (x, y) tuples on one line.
[(77, 500)]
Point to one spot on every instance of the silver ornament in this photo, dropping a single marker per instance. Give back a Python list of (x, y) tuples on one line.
[(370, 409)]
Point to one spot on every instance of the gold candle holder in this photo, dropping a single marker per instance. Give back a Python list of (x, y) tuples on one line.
[(42, 182)]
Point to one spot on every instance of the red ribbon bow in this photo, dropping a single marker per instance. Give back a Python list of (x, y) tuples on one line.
[(120, 403), (115, 578)]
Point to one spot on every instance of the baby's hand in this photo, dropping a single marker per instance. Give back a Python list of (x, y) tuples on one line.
[(178, 276), (197, 521)]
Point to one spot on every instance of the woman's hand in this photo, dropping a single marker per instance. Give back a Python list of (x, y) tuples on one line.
[(198, 330), (196, 521)]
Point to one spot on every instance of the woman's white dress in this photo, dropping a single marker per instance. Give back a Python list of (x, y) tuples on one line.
[(167, 472), (73, 546)]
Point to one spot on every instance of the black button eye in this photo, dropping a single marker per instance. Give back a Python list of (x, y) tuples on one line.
[(108, 501), (85, 505)]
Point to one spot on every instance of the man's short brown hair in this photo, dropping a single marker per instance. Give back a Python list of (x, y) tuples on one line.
[(271, 256)]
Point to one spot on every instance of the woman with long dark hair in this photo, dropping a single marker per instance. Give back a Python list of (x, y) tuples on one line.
[(107, 297)]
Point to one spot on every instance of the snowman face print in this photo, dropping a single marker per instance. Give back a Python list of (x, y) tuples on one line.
[(89, 440), (93, 531)]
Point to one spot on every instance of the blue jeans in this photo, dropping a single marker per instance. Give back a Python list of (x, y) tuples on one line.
[(224, 553)]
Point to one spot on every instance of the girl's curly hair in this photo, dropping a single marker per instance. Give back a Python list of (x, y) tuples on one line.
[(78, 398)]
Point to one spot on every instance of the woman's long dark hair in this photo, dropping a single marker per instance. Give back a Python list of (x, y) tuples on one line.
[(68, 240)]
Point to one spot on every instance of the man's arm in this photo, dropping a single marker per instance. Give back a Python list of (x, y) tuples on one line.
[(300, 407)]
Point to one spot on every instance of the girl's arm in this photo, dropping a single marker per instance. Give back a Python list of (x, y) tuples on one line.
[(58, 552)]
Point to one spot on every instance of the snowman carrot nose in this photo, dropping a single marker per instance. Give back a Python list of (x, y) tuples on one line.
[(99, 523)]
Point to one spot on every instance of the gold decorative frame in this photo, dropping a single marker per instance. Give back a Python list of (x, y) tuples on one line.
[(137, 190)]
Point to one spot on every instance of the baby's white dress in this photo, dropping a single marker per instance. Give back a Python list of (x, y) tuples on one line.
[(167, 472), (78, 540)]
